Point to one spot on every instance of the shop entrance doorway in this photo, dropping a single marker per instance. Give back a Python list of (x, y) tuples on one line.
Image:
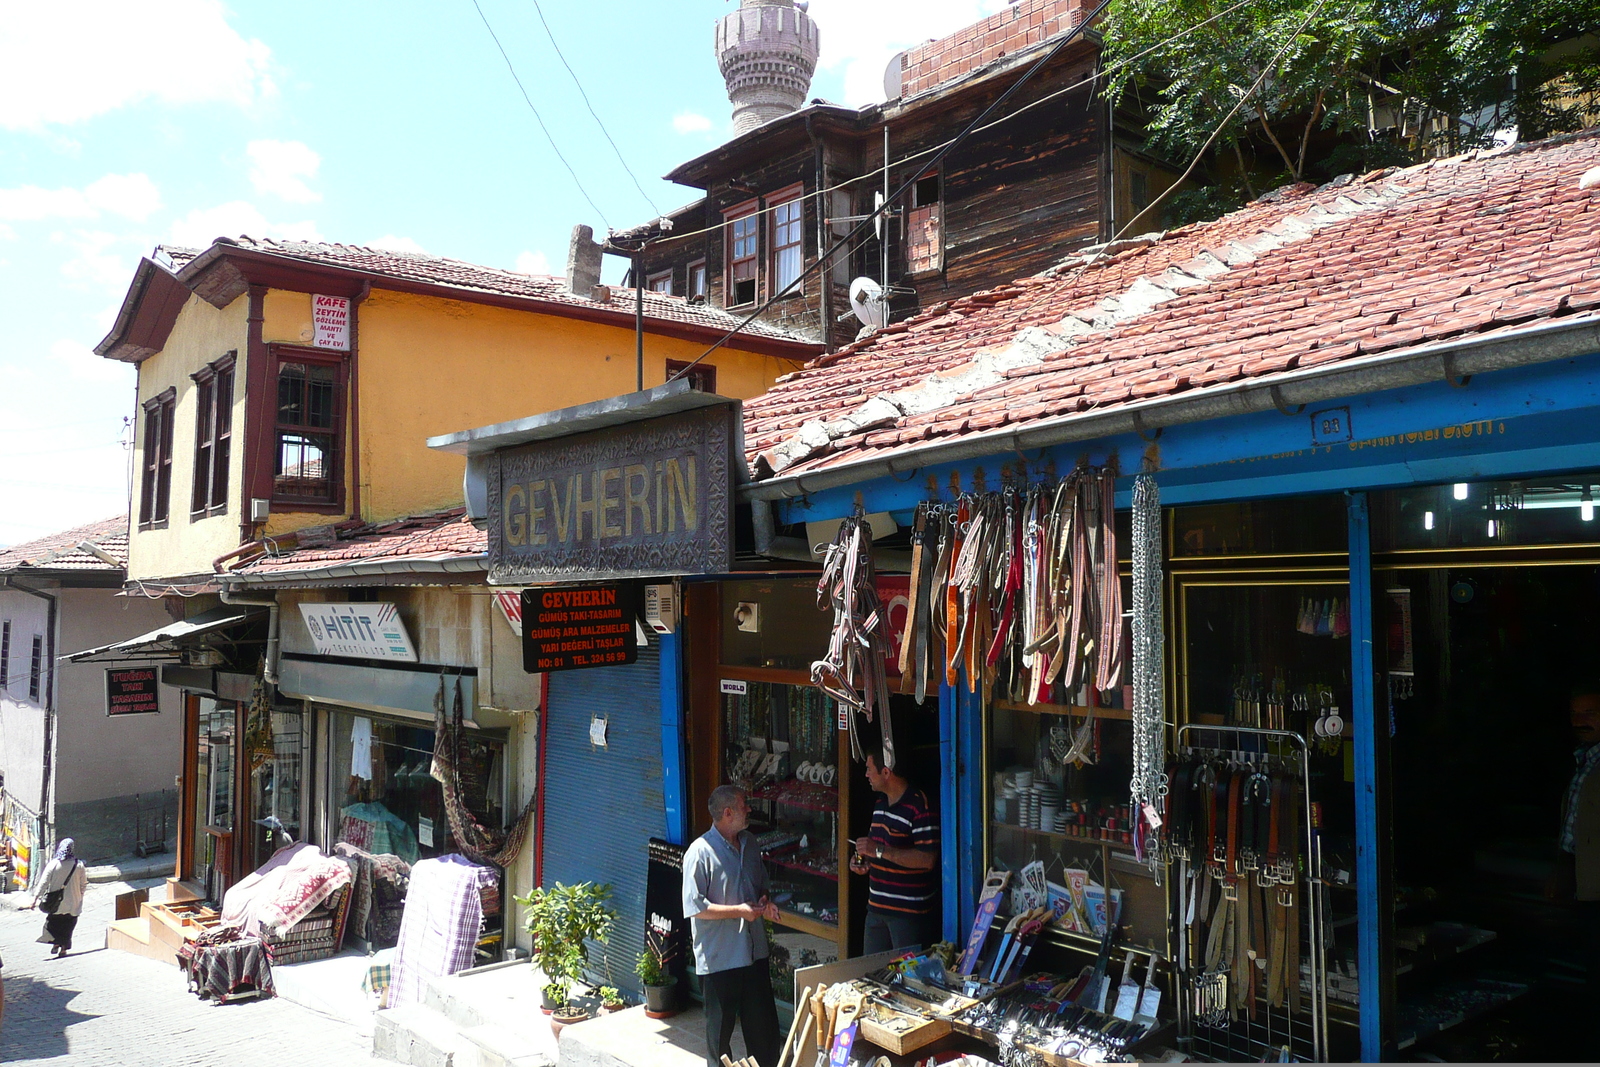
[(1480, 663)]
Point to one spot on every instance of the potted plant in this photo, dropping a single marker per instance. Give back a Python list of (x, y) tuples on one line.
[(660, 986), (563, 919), (610, 999)]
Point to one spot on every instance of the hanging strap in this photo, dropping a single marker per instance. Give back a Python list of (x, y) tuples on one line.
[(908, 640)]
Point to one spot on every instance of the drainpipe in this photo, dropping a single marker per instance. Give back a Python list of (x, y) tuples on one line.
[(269, 672), (47, 689), (355, 398)]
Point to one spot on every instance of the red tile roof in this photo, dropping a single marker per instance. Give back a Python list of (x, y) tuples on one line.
[(438, 270), (435, 536), (1304, 277), (59, 551)]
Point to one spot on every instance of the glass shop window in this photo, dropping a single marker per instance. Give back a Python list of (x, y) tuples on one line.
[(1300, 526), (213, 796), (1547, 511), (275, 763), (391, 803), (773, 623)]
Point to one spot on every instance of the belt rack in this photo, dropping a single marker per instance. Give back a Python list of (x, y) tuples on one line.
[(1249, 901)]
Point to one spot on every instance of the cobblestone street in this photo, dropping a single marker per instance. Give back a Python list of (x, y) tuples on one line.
[(100, 1008)]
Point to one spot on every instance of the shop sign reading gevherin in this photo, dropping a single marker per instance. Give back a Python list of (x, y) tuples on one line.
[(642, 499)]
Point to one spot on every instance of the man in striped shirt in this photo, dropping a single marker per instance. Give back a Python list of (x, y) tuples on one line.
[(902, 856)]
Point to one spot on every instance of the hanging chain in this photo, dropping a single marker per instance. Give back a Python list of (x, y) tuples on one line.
[(1149, 784)]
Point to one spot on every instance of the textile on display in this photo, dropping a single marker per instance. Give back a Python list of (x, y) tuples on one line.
[(440, 927), (373, 828), (225, 964), (361, 748), (284, 890), (499, 847), (379, 893)]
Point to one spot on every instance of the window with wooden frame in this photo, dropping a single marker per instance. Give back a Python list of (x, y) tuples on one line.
[(659, 282), (702, 377), (696, 287), (788, 240), (213, 437), (925, 226), (310, 417), (5, 653), (744, 256), (155, 483), (36, 669)]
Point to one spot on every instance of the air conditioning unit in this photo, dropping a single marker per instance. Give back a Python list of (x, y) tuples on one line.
[(661, 608)]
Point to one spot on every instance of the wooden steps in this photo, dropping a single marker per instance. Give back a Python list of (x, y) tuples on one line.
[(162, 927)]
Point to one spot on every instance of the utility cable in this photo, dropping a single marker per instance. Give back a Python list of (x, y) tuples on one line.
[(607, 133), (867, 220), (1025, 108), (537, 117)]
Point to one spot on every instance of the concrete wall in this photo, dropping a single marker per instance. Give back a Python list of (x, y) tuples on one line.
[(103, 756), (21, 718)]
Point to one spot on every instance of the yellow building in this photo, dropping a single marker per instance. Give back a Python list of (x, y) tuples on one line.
[(286, 385)]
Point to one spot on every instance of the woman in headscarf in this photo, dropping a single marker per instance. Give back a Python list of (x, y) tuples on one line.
[(66, 874)]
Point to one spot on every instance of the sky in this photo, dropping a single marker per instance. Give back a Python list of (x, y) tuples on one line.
[(395, 124)]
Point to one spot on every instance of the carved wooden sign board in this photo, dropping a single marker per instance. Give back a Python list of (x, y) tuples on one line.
[(642, 499)]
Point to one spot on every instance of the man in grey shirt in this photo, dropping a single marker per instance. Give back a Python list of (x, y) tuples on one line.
[(725, 898)]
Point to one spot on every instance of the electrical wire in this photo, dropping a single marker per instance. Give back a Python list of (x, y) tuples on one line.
[(867, 220), (537, 117), (1024, 109), (605, 132)]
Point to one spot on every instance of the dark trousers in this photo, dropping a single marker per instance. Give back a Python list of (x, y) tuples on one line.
[(885, 930), (58, 930), (742, 994)]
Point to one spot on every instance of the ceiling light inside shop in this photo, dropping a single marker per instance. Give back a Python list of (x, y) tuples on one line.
[(1586, 505), (1491, 527), (1461, 490), (1427, 520)]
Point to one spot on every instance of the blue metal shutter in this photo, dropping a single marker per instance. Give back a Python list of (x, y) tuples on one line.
[(603, 805)]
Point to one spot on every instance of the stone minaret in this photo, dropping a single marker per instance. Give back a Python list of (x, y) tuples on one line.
[(767, 51)]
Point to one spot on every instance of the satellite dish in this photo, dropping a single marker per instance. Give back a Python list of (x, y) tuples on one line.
[(869, 303), (877, 215)]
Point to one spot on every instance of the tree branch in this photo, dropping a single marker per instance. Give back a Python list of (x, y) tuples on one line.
[(1261, 113), (1305, 138)]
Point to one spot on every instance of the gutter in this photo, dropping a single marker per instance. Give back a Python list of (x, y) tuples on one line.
[(1452, 361), (269, 669)]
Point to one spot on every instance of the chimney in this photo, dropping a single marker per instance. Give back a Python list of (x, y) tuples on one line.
[(767, 51), (583, 262)]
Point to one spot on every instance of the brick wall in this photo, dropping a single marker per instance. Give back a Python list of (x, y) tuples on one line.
[(1024, 23)]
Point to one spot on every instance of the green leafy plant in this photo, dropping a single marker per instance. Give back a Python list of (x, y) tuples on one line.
[(610, 996), (563, 919), (652, 965)]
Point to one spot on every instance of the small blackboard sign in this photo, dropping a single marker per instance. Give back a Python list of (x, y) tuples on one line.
[(132, 691), (572, 627)]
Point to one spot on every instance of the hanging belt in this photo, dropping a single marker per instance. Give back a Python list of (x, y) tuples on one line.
[(952, 600), (1235, 795), (908, 640)]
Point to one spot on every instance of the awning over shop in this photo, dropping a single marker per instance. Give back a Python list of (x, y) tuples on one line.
[(409, 693), (168, 641)]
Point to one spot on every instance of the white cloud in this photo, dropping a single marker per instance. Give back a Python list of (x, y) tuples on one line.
[(71, 60), (690, 122), (859, 39), (533, 263), (281, 168), (132, 196), (95, 261), (79, 362), (392, 243), (237, 217)]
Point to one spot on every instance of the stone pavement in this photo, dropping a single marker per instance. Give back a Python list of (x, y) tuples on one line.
[(99, 1008)]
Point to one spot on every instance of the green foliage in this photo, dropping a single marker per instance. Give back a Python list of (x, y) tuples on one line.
[(652, 965), (1361, 83), (610, 996), (563, 919)]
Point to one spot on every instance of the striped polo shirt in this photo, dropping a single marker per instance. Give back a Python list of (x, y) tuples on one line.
[(907, 824)]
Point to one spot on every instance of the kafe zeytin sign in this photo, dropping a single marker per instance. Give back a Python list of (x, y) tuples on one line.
[(641, 499)]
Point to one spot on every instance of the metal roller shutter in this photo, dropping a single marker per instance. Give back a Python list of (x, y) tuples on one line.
[(602, 805)]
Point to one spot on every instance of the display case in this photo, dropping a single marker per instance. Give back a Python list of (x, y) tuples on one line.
[(1058, 796)]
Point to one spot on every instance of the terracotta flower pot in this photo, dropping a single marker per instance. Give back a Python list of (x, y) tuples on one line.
[(565, 1017)]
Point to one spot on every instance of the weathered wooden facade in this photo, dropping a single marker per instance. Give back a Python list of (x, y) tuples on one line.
[(1044, 178)]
